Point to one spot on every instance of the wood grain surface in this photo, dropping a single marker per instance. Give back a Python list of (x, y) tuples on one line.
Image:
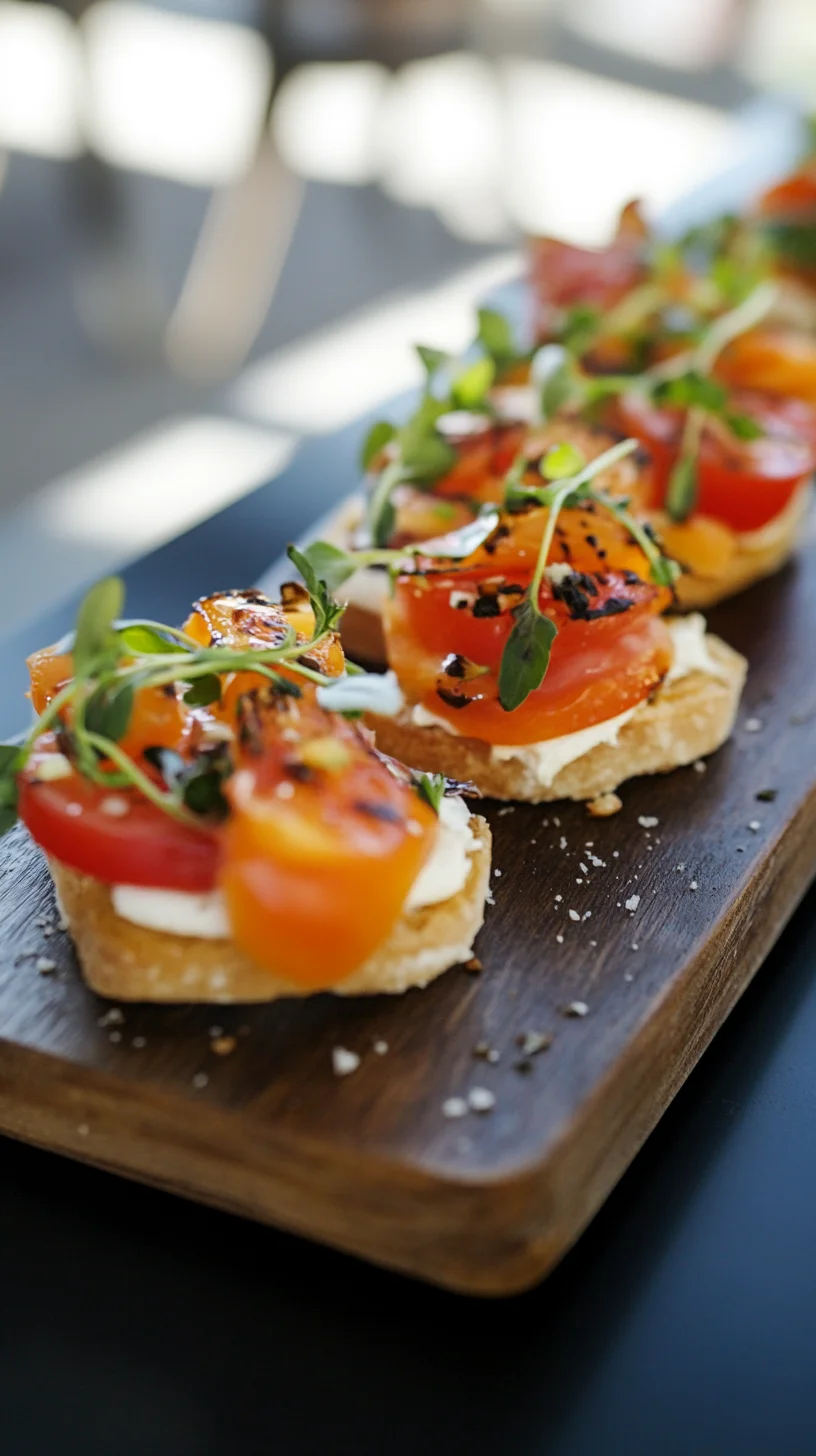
[(369, 1162)]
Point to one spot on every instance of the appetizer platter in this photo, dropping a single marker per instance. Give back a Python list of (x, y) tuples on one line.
[(411, 957)]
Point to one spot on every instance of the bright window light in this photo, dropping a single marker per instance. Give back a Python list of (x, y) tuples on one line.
[(441, 131), (173, 94), (39, 81), (325, 120), (129, 501), (579, 146), (690, 33), (328, 379)]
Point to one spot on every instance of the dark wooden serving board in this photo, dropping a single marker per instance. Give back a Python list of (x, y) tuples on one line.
[(485, 1203)]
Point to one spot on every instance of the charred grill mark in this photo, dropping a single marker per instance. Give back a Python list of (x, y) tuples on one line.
[(453, 699), (487, 606), (495, 537), (293, 594), (385, 813)]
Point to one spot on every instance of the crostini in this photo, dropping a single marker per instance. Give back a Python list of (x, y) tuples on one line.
[(540, 664), (215, 818)]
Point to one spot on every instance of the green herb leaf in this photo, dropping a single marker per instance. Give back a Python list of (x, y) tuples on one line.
[(324, 562), (432, 360), (145, 641), (203, 794), (431, 788), (11, 760), (526, 656), (380, 514), (96, 643), (326, 611), (690, 389), (469, 389), (561, 461), (743, 426), (496, 336), (108, 711), (424, 458), (682, 488), (203, 691), (380, 435), (580, 327)]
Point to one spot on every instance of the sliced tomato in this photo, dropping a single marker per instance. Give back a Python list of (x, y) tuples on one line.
[(321, 848), (564, 276), (446, 633), (778, 361), (70, 819), (743, 483)]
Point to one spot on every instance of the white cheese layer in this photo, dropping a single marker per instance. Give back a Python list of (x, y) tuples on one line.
[(446, 870), (547, 758), (176, 912)]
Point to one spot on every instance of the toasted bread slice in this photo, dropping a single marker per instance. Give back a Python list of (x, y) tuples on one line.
[(683, 721), (132, 963), (758, 554)]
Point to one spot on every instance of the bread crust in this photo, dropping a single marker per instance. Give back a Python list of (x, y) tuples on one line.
[(683, 721), (129, 962), (758, 555)]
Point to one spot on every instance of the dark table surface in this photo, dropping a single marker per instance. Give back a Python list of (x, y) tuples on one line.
[(684, 1321)]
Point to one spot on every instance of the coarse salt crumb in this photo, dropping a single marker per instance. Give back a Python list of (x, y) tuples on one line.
[(223, 1046), (454, 1107), (44, 966), (508, 809), (562, 843), (632, 903), (635, 946), (576, 1008), (604, 806), (587, 914), (556, 821), (648, 821), (490, 898), (593, 942), (112, 1017), (573, 915), (754, 826), (627, 976), (584, 871), (693, 885), (579, 881), (139, 1042), (481, 1099), (199, 1080), (380, 1047), (497, 873), (699, 765), (753, 725), (558, 899), (115, 1037), (344, 1062), (560, 939)]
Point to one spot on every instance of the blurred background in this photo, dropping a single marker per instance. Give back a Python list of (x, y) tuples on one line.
[(223, 221)]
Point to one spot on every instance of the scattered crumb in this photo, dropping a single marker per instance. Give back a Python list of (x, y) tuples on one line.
[(627, 976), (344, 1062), (115, 1037), (699, 765), (560, 939), (576, 1008), (223, 1046), (583, 869), (605, 806), (45, 967), (753, 725), (380, 1047), (474, 966), (508, 809), (635, 946), (573, 915), (139, 1042), (112, 1017), (754, 825), (481, 1099), (497, 873), (766, 796), (199, 1080), (490, 898), (531, 1043), (693, 885), (558, 899), (454, 1107), (648, 821), (632, 903)]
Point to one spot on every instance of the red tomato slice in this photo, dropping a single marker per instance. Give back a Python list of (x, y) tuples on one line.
[(598, 666), (144, 846), (744, 483)]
